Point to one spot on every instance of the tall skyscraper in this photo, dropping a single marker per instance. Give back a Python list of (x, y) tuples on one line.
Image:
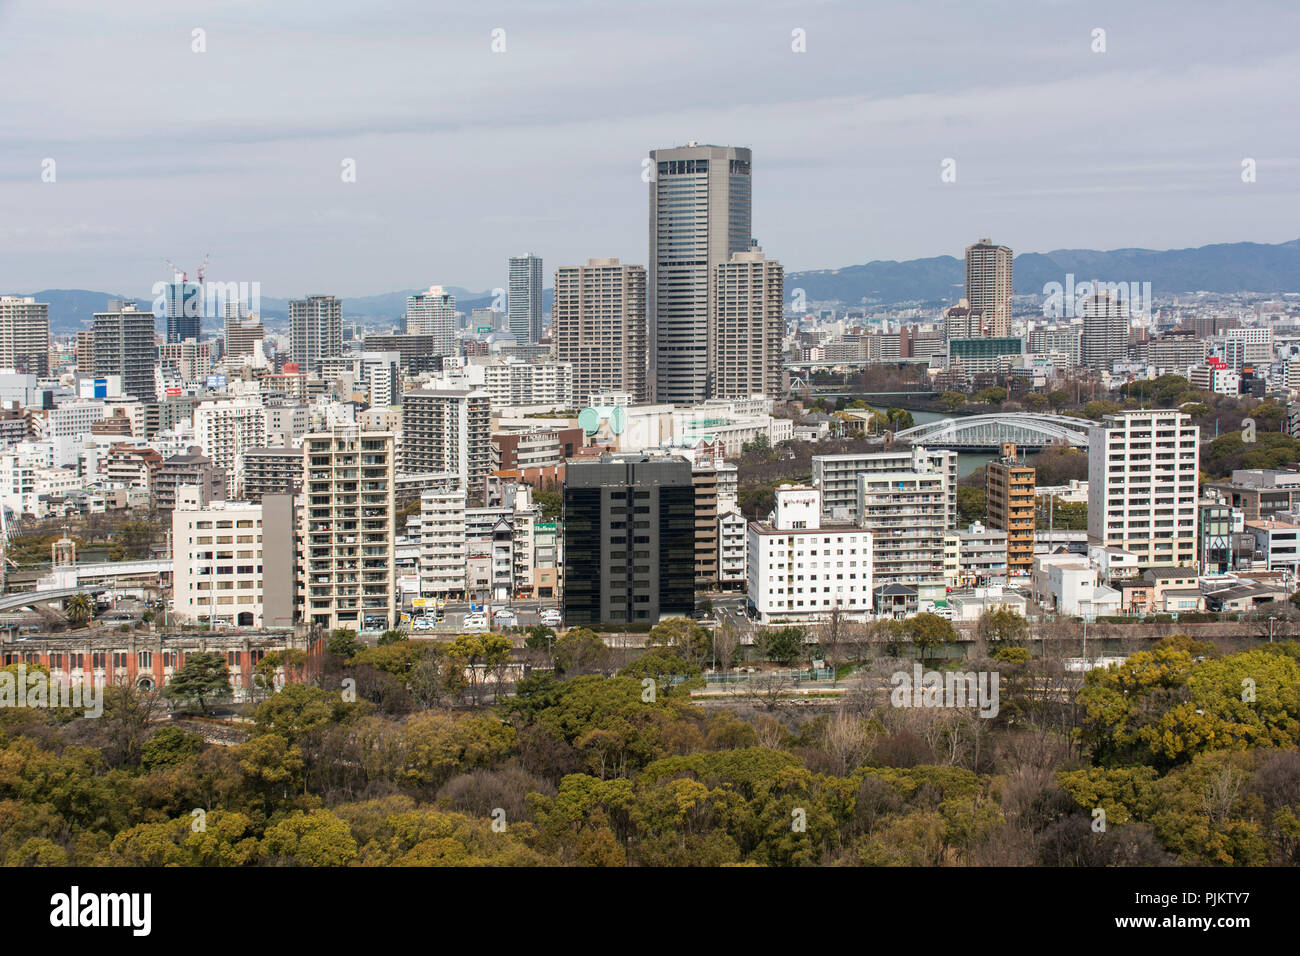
[(315, 330), (700, 200), (748, 328), (184, 311), (1142, 474), (598, 324), (524, 307), (989, 288), (629, 539), (1105, 331), (348, 530), (24, 335), (124, 345), (433, 313)]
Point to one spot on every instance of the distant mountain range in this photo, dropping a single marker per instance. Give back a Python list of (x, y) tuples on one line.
[(73, 309), (1224, 267)]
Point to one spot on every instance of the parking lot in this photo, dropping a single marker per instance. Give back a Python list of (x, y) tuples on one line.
[(526, 614)]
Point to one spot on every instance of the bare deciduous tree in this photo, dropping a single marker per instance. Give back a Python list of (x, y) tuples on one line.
[(769, 732), (840, 639), (848, 742), (1220, 794), (768, 690), (726, 641)]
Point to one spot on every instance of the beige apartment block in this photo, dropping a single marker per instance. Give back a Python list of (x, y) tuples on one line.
[(347, 529)]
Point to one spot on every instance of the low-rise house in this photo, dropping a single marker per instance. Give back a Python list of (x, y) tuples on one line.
[(895, 600), (1136, 595), (1170, 579)]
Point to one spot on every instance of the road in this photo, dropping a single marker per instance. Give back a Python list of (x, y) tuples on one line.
[(730, 607)]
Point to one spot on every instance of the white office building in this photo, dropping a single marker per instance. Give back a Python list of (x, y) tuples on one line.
[(217, 561), (225, 429), (1247, 347), (66, 427), (1277, 544), (512, 383), (801, 567)]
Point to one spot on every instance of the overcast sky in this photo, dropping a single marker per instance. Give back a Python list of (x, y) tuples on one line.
[(465, 157)]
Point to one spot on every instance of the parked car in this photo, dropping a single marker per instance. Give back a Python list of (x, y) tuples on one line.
[(551, 616), (475, 620), (423, 624), (506, 617)]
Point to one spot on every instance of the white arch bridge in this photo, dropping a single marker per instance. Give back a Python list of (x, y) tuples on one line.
[(991, 432)]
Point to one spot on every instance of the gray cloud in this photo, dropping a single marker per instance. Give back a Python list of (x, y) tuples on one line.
[(466, 157)]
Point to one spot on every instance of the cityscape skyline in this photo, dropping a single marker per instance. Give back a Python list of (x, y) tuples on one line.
[(268, 199), (660, 444)]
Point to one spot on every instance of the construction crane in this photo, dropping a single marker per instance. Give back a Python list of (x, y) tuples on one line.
[(185, 275)]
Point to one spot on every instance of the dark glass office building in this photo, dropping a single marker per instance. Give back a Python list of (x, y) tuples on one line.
[(629, 540), (184, 311)]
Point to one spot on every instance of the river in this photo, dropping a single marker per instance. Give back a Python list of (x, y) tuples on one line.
[(967, 461)]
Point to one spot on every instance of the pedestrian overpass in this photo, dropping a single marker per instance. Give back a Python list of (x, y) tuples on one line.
[(1026, 430)]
